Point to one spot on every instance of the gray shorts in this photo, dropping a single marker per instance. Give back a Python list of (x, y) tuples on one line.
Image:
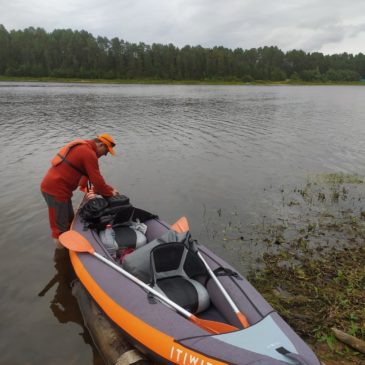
[(60, 214)]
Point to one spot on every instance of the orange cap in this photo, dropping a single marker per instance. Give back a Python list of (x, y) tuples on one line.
[(108, 140)]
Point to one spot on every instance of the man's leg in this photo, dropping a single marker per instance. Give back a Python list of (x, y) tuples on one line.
[(60, 215)]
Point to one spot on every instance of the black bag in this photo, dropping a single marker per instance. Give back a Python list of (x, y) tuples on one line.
[(93, 210), (117, 210), (98, 212), (117, 200)]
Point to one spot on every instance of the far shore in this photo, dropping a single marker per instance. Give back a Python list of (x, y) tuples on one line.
[(170, 82)]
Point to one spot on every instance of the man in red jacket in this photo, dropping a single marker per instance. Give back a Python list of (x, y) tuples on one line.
[(73, 166)]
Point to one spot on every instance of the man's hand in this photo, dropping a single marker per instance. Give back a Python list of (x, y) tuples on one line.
[(115, 192)]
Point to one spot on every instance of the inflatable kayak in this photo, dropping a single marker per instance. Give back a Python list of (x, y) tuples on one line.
[(173, 298)]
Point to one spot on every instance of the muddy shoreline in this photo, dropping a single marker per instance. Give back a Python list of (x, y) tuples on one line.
[(311, 261)]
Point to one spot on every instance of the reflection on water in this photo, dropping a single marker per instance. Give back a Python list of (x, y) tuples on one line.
[(181, 150), (64, 305)]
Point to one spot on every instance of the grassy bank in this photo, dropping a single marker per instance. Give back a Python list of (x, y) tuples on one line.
[(306, 256), (168, 82), (315, 295), (312, 270)]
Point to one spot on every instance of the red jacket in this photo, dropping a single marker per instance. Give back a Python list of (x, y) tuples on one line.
[(61, 180)]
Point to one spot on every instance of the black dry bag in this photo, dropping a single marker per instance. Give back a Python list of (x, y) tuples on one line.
[(93, 209)]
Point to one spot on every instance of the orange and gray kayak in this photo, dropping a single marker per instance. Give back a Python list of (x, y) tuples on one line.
[(177, 301)]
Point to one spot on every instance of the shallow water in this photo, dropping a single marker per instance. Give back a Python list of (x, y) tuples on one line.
[(213, 153)]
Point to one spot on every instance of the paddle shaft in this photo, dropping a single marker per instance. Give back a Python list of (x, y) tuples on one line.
[(144, 286), (76, 242), (240, 316)]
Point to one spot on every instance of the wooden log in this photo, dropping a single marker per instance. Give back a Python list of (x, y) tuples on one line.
[(112, 346), (352, 341)]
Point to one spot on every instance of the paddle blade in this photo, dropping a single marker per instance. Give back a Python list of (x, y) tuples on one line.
[(74, 241), (181, 225), (213, 326), (243, 320)]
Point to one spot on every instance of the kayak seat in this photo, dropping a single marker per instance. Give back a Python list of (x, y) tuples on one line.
[(138, 263), (169, 266)]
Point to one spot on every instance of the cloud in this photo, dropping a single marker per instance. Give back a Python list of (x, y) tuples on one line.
[(311, 25)]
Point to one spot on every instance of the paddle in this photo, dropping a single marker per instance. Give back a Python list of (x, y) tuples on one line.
[(74, 241), (181, 226)]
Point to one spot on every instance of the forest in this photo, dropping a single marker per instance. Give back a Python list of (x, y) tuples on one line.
[(66, 53)]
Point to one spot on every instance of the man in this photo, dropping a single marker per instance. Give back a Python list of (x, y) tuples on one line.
[(74, 165)]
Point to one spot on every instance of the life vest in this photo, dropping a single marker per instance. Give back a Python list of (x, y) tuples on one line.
[(64, 151)]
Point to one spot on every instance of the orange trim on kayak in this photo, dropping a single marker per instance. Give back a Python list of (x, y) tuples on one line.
[(155, 340)]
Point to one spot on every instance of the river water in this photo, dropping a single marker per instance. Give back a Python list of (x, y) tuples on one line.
[(212, 153)]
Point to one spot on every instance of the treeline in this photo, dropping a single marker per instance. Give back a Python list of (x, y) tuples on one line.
[(78, 54)]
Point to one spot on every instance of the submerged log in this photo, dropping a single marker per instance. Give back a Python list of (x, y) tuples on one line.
[(352, 341), (112, 346)]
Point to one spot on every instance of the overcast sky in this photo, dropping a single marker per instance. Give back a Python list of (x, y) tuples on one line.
[(327, 26)]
